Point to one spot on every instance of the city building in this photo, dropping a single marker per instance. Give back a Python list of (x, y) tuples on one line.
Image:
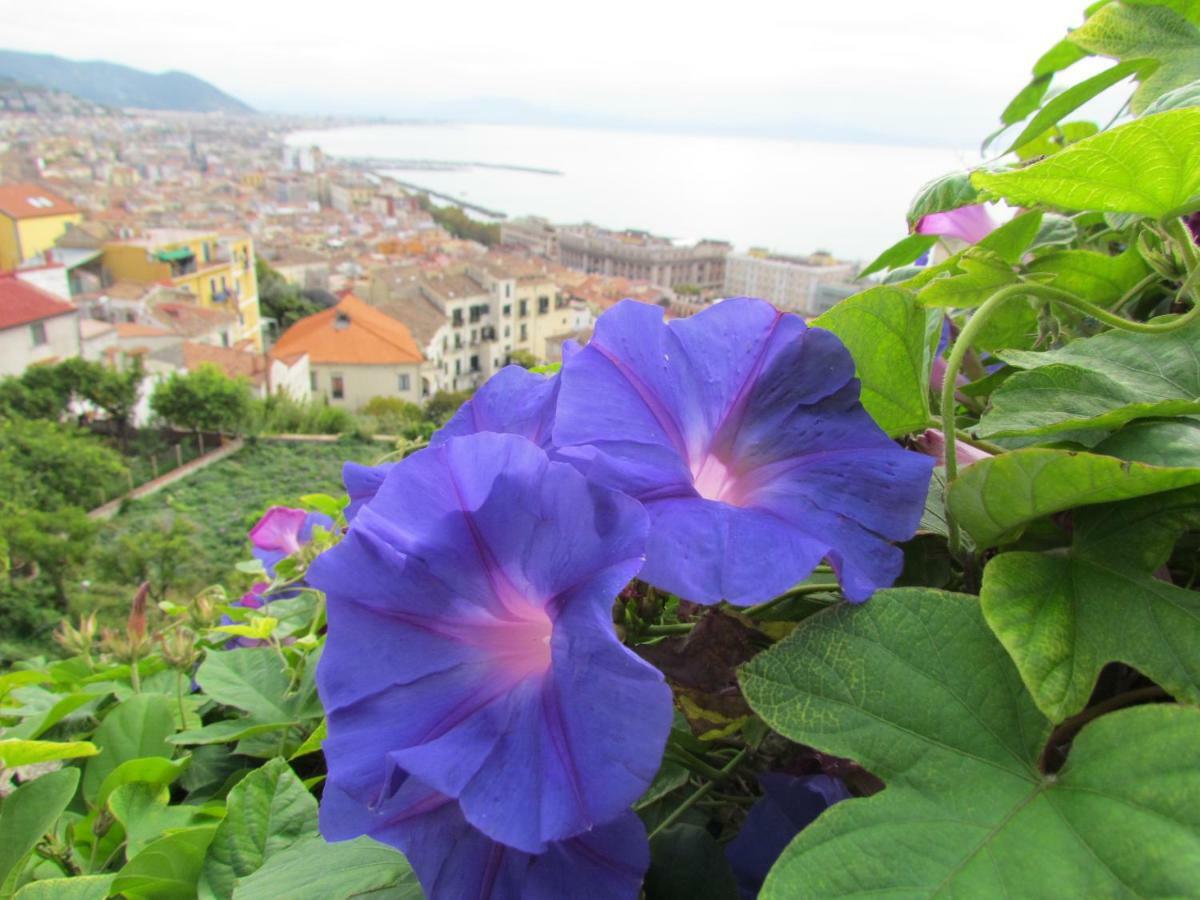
[(470, 319), (789, 282), (533, 233), (216, 268), (642, 256), (355, 352), (35, 326), (31, 220)]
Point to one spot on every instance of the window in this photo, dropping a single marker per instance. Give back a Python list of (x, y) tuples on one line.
[(207, 253), (312, 381), (508, 331), (458, 367), (38, 331), (507, 309), (559, 301), (543, 305), (508, 290), (337, 387), (404, 382), (523, 309), (457, 318), (524, 331), (458, 342), (212, 287), (474, 335)]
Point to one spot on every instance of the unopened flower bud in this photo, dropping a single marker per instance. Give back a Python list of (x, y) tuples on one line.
[(933, 443), (135, 629)]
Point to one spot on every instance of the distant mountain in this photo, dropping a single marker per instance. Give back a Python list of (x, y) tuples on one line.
[(120, 86)]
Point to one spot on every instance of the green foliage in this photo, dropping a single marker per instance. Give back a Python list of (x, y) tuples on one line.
[(1064, 617), (523, 358), (942, 194), (314, 870), (1150, 167), (1141, 32), (459, 224), (442, 405), (48, 466), (160, 551), (901, 253), (135, 729), (994, 498), (1030, 730), (280, 300), (392, 415), (281, 414), (891, 339), (28, 814), (204, 400), (267, 812), (916, 687), (54, 544), (1073, 98), (225, 499)]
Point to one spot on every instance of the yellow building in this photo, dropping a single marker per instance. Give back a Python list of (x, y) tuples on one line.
[(216, 267), (31, 220)]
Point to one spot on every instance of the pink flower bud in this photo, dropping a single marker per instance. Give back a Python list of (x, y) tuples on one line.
[(933, 443), (136, 627)]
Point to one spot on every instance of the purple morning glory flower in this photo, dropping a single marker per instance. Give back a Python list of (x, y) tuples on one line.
[(741, 431), (453, 860), (513, 401), (471, 643), (1193, 224), (282, 531), (362, 482), (788, 804), (970, 224)]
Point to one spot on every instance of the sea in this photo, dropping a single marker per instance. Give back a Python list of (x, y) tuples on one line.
[(788, 196)]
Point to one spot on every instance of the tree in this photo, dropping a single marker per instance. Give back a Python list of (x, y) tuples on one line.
[(282, 301), (204, 400), (51, 543), (116, 392), (392, 414), (41, 392), (48, 466), (459, 224), (522, 358), (442, 405)]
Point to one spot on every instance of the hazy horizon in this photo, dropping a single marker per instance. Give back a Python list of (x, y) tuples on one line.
[(838, 73)]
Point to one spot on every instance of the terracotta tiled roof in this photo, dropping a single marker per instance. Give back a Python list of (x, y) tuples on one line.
[(22, 303), (28, 201), (353, 333), (234, 363), (137, 329)]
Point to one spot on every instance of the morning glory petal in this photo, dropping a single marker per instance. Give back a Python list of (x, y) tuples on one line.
[(474, 593), (742, 432)]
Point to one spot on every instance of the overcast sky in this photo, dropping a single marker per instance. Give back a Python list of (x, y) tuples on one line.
[(936, 68)]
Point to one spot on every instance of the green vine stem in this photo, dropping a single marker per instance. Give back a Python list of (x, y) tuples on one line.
[(1055, 295), (705, 789)]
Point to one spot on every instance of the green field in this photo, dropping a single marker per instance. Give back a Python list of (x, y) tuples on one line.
[(227, 498)]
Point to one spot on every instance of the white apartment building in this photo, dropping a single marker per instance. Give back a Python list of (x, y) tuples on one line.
[(789, 282)]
